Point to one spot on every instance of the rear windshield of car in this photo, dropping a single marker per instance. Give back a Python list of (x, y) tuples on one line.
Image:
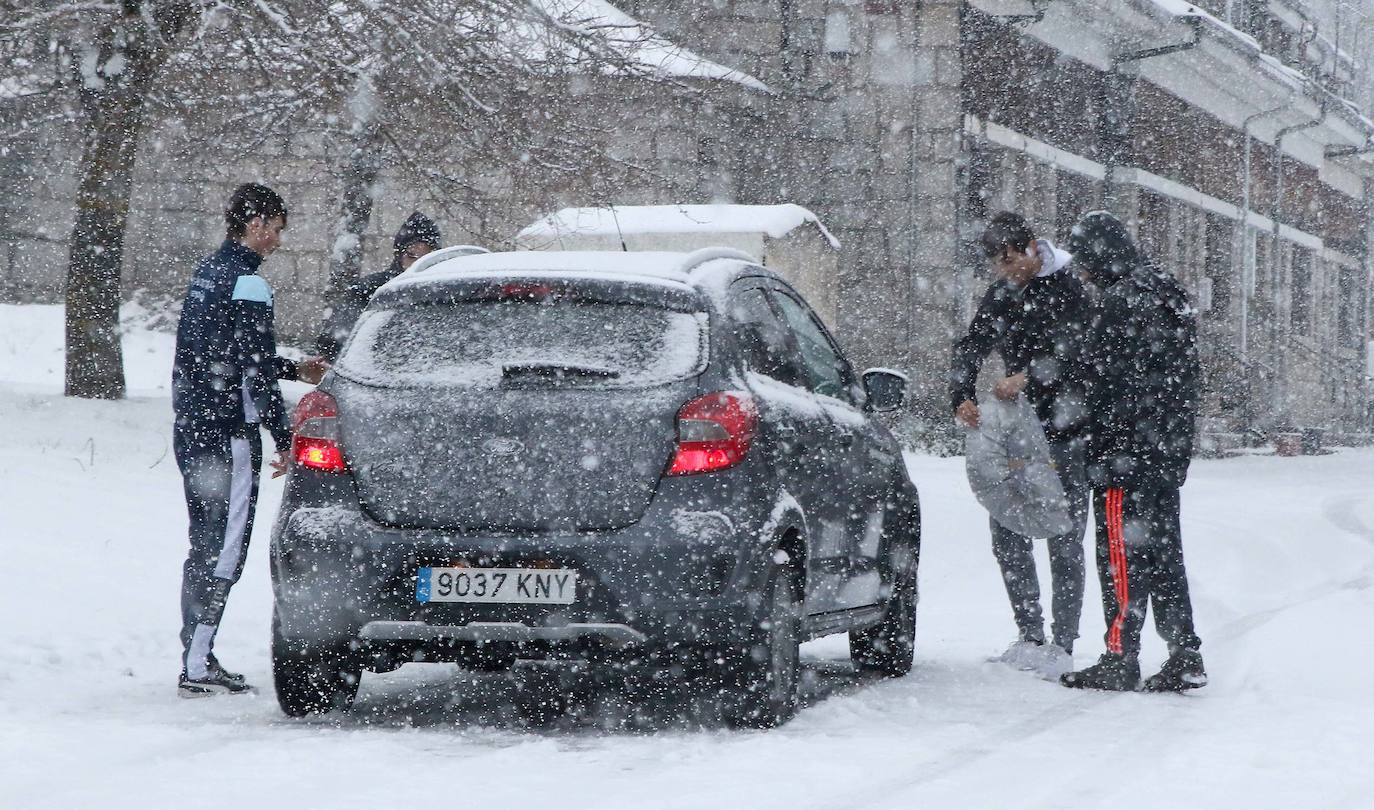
[(490, 344)]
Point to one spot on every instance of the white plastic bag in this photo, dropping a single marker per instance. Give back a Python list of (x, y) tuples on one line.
[(1011, 472)]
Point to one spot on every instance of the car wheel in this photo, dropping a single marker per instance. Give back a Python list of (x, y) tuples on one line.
[(313, 678), (889, 646), (541, 698), (767, 672)]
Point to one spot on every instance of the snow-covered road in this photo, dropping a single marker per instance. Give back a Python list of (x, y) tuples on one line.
[(1280, 554)]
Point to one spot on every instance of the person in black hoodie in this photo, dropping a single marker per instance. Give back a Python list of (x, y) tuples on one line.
[(1143, 394), (417, 236), (1034, 316)]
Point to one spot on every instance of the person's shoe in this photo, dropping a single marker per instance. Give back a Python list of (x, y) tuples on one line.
[(215, 682), (213, 664), (1055, 662), (1022, 655), (1181, 672), (1111, 673)]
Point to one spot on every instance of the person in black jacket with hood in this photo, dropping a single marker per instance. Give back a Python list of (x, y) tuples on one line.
[(417, 236), (1143, 393), (1034, 315)]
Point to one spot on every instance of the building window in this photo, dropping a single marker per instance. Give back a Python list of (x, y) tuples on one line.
[(1153, 229), (1074, 195), (1349, 297), (1219, 266), (838, 43), (1300, 308)]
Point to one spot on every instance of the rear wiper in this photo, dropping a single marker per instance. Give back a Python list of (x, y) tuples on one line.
[(555, 372)]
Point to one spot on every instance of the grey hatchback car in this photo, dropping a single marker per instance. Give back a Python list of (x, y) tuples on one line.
[(613, 459)]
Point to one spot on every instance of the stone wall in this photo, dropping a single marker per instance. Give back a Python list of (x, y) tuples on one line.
[(865, 124), (184, 178)]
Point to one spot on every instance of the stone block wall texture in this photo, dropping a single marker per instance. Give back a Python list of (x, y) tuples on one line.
[(864, 124)]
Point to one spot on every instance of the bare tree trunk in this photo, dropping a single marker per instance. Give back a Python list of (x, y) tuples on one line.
[(95, 359), (359, 193), (115, 72)]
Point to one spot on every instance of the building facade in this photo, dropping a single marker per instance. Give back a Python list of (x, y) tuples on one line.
[(1226, 133)]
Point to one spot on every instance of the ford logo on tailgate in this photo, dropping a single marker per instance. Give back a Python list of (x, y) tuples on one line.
[(503, 446)]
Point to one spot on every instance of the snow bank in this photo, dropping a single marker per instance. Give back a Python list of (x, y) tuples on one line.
[(1280, 555)]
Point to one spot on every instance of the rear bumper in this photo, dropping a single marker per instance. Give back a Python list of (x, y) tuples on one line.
[(339, 575), (617, 635)]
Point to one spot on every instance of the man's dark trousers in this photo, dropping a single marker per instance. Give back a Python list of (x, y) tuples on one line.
[(219, 469), (1015, 558), (1140, 561)]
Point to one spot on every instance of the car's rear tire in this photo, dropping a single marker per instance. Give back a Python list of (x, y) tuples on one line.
[(766, 673), (541, 698), (313, 678), (889, 647)]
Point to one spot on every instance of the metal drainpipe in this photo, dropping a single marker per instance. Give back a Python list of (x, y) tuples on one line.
[(1279, 389)]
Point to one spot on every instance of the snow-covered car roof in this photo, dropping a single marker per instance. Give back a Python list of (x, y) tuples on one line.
[(774, 220), (707, 270)]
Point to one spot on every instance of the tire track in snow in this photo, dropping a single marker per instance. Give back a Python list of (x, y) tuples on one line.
[(1075, 705), (1340, 511)]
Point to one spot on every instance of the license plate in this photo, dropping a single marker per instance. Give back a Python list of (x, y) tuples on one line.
[(539, 586)]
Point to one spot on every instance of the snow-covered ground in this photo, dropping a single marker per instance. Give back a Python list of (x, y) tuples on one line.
[(1280, 553)]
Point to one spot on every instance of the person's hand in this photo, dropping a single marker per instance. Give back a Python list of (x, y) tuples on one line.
[(311, 369), (278, 464), (1009, 388), (967, 413)]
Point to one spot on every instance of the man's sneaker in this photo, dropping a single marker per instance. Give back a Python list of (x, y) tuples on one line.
[(1111, 673), (1022, 655), (213, 664), (1181, 672), (215, 682), (1055, 661)]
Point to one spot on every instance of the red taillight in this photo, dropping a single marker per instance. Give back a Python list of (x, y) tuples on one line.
[(314, 405), (316, 441), (714, 432), (318, 454)]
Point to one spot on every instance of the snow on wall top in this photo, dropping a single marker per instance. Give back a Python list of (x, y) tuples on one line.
[(1181, 8), (774, 220), (1292, 77), (648, 48)]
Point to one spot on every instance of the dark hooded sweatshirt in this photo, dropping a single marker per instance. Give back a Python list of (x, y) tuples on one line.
[(340, 319), (1144, 373), (226, 368), (1037, 329)]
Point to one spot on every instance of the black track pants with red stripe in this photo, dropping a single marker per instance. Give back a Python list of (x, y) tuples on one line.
[(1140, 563)]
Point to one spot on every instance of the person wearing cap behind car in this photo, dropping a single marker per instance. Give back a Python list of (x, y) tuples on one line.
[(417, 236)]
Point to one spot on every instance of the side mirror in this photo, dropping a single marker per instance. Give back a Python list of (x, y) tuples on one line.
[(885, 387)]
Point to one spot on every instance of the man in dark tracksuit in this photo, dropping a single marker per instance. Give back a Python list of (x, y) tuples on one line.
[(417, 236), (1144, 378), (224, 386), (1034, 315)]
